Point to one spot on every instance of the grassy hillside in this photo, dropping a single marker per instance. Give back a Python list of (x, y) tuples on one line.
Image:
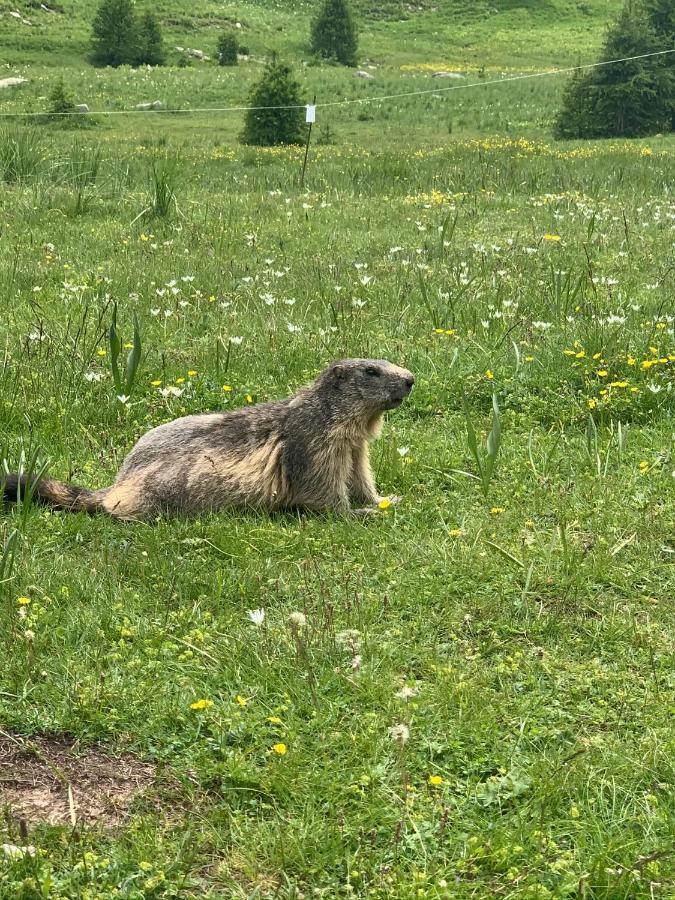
[(505, 33)]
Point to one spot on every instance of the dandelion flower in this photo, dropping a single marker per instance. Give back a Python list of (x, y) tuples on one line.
[(489, 375), (275, 720), (156, 383), (399, 734), (191, 373), (241, 701), (227, 388), (551, 237), (455, 532), (497, 510), (201, 704), (24, 601), (384, 504), (279, 749), (435, 780)]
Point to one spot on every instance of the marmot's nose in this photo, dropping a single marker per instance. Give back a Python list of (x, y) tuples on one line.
[(409, 380)]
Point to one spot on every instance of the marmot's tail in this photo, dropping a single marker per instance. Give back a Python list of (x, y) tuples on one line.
[(52, 493)]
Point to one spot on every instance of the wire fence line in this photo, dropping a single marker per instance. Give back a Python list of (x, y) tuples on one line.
[(334, 103)]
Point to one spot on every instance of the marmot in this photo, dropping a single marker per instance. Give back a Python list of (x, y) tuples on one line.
[(308, 451)]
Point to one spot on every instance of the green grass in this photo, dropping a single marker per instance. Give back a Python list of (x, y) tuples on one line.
[(534, 624)]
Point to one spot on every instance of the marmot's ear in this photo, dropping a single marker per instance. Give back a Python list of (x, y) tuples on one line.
[(339, 372)]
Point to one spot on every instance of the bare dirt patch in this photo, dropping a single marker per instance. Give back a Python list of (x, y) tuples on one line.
[(56, 780)]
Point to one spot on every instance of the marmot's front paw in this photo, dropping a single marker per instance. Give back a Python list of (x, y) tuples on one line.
[(366, 511)]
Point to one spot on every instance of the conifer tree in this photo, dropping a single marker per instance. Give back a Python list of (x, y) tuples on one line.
[(267, 127), (662, 17), (334, 33), (624, 99), (115, 34), (150, 42)]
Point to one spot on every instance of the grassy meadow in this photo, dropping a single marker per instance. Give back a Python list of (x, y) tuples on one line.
[(469, 696)]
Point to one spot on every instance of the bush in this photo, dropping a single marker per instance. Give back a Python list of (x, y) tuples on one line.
[(59, 100), (334, 34), (228, 48), (626, 99), (268, 127)]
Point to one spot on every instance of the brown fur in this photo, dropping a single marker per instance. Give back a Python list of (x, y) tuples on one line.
[(309, 451)]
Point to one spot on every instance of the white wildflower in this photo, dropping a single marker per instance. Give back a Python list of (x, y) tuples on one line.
[(257, 616), (406, 693)]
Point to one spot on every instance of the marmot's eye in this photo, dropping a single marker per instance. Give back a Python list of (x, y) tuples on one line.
[(371, 370)]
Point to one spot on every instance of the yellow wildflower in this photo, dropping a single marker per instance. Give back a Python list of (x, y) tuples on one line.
[(631, 360), (249, 398), (24, 601), (436, 780), (592, 403), (489, 375), (551, 237), (580, 354), (602, 373), (496, 510), (455, 532), (201, 704), (275, 720), (227, 388), (618, 384), (242, 701), (279, 749), (180, 380), (191, 373), (156, 383), (384, 504)]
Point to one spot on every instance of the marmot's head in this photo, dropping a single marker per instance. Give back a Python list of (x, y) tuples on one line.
[(367, 386)]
